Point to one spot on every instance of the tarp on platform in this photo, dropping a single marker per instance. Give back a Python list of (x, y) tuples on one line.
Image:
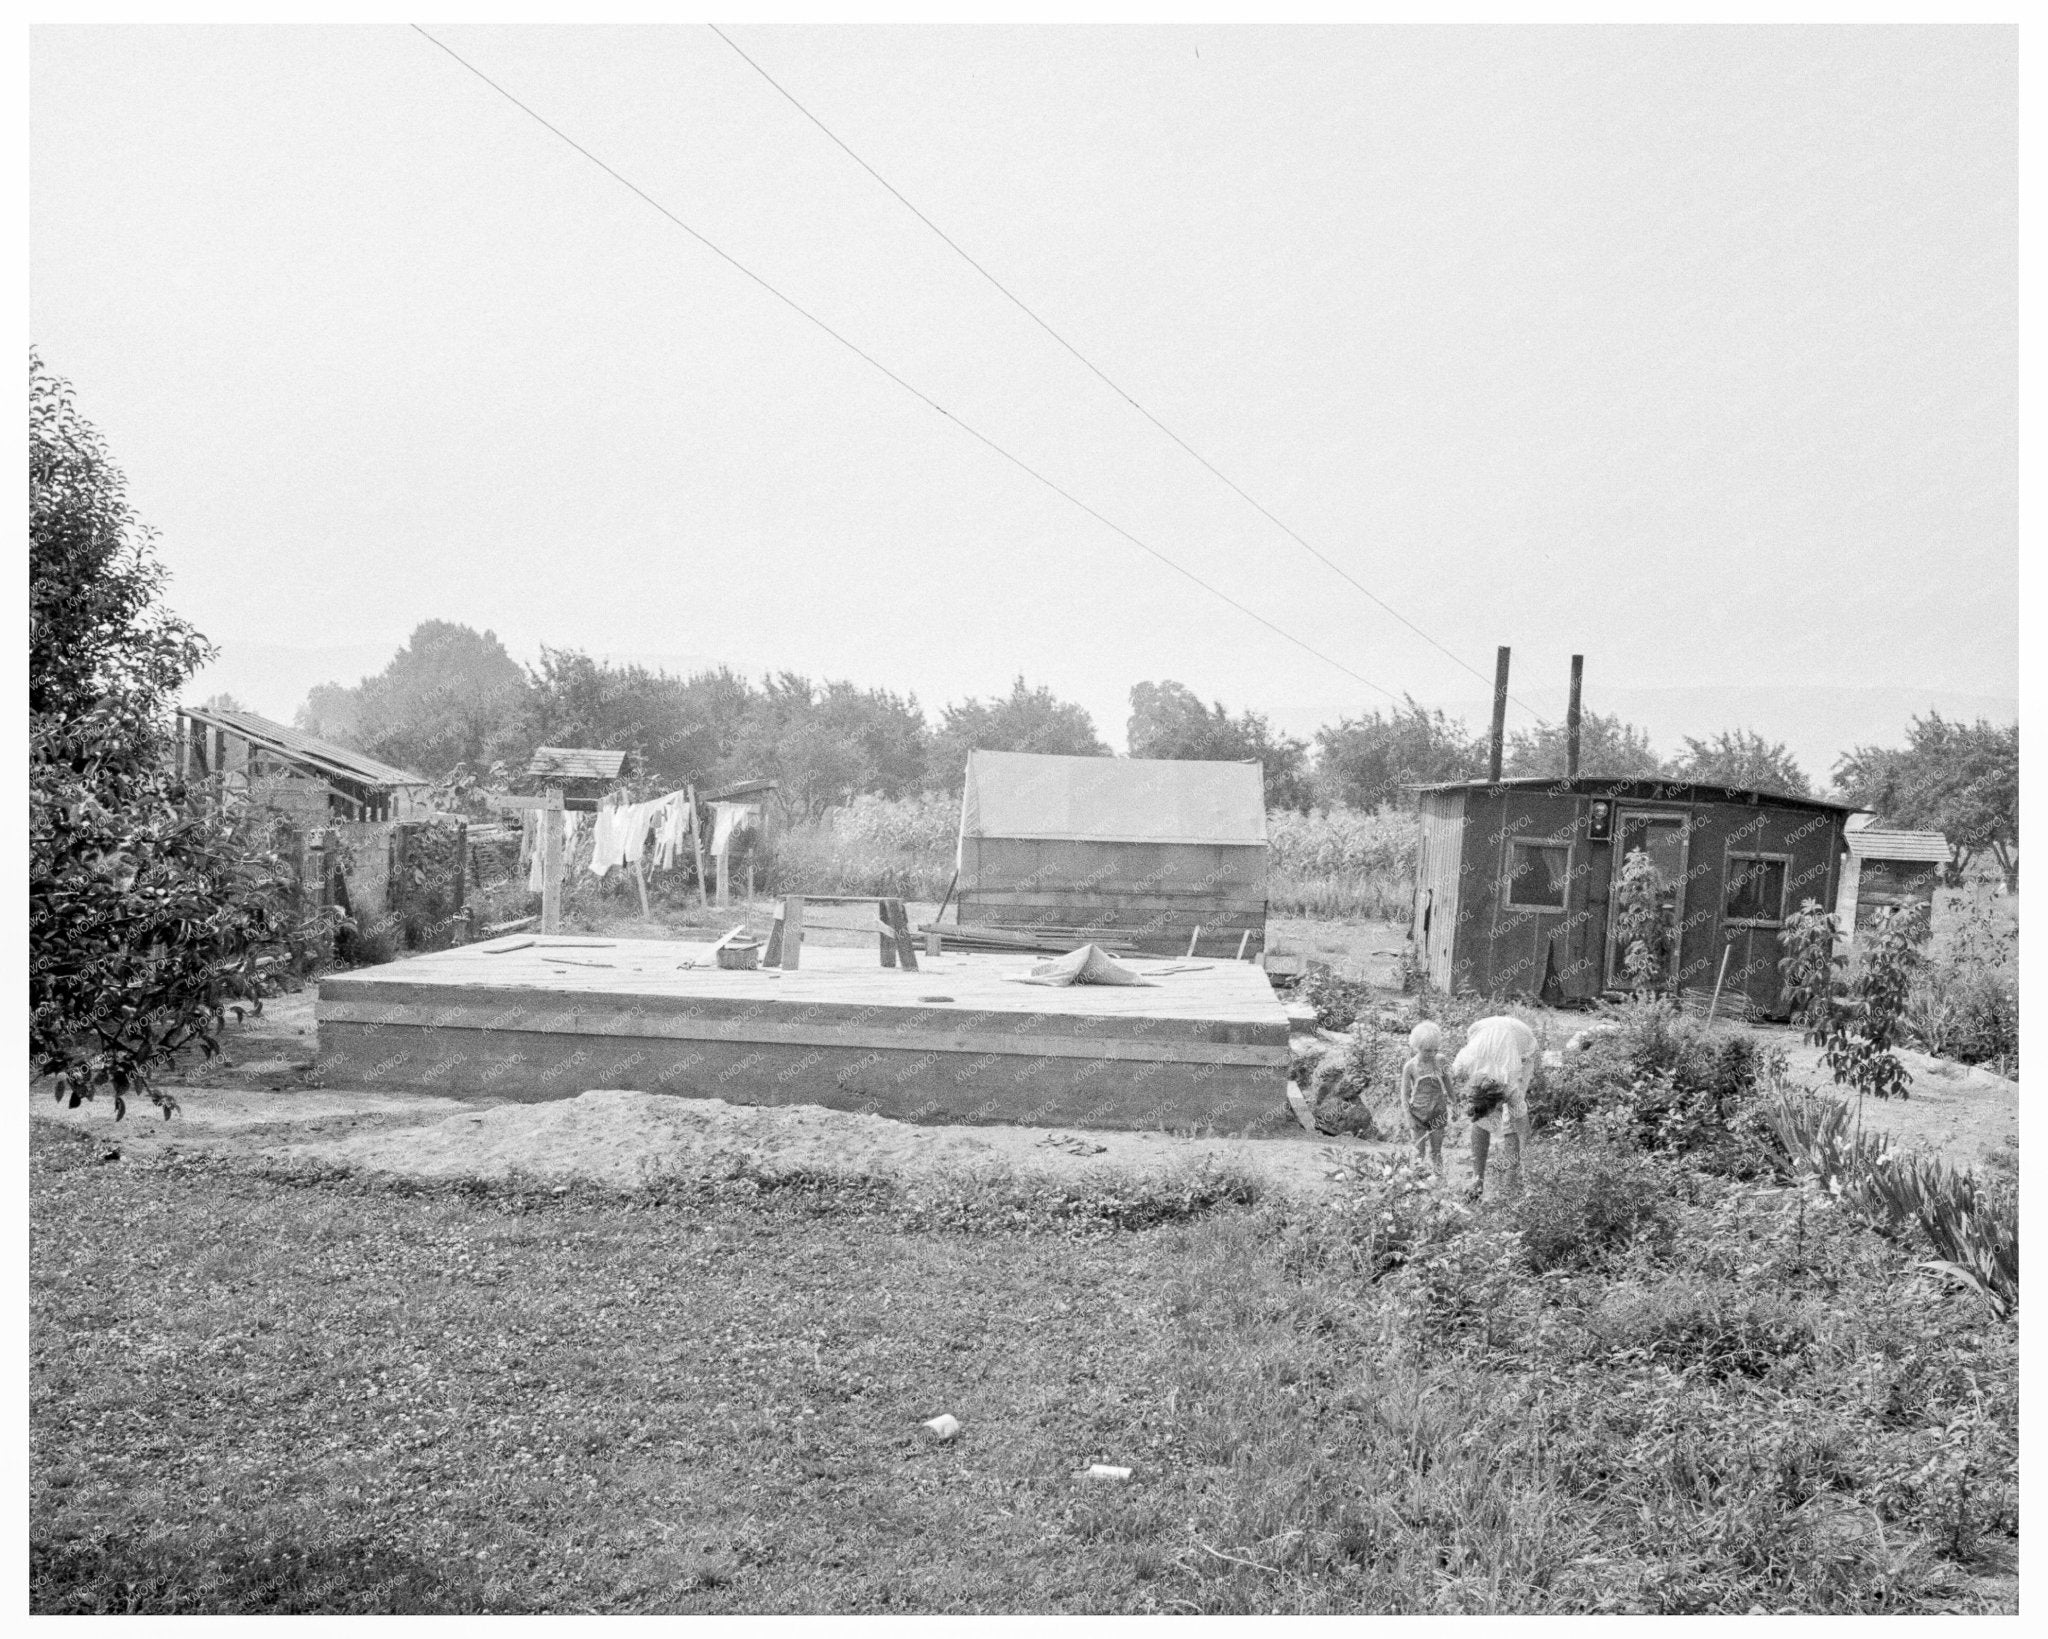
[(1021, 795)]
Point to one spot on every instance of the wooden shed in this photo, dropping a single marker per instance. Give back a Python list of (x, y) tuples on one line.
[(1140, 851), (1887, 870), (274, 766), (1516, 880)]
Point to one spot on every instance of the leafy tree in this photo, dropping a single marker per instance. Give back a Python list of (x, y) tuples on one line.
[(221, 702), (1856, 1018), (151, 910), (574, 700), (452, 697), (1024, 720), (1169, 720), (1961, 779), (1369, 762), (1608, 748), (1744, 760), (825, 745)]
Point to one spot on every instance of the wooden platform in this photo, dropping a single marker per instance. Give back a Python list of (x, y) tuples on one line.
[(958, 1040)]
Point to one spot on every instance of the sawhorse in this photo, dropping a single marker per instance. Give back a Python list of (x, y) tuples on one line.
[(786, 937)]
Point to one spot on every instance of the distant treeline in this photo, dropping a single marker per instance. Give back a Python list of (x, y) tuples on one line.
[(452, 700)]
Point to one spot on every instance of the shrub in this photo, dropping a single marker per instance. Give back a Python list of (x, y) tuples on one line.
[(1675, 1083), (904, 847), (1586, 1199), (1973, 1227), (1339, 1002), (1714, 1327), (151, 908), (1856, 1018), (1965, 998)]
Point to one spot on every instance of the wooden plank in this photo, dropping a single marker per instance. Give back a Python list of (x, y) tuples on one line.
[(772, 956), (768, 1031), (792, 931)]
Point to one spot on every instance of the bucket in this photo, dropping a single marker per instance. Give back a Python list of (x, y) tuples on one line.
[(741, 953)]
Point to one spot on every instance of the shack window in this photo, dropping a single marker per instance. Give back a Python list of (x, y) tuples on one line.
[(1756, 889), (1537, 874)]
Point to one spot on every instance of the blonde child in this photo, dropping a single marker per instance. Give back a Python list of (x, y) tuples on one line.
[(1426, 1094)]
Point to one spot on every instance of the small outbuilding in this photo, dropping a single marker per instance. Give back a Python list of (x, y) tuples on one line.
[(1139, 851), (1886, 870), (1516, 882), (313, 780)]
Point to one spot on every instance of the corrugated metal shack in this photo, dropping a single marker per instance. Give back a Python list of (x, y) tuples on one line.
[(1516, 879), (1139, 851)]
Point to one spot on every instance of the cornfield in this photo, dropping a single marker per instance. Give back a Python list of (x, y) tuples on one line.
[(1340, 862), (1332, 863)]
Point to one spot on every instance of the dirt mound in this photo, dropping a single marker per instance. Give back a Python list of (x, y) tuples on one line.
[(619, 1138)]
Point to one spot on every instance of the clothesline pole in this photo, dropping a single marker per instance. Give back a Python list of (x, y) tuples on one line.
[(697, 849), (551, 863), (640, 880)]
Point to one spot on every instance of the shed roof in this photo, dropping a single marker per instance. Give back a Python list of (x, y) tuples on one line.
[(576, 763), (1639, 790), (1870, 843), (1026, 796), (322, 755)]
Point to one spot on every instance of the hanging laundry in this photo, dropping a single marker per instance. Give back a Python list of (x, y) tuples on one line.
[(601, 840), (728, 819)]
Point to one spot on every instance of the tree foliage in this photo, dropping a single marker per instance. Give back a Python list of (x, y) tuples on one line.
[(1744, 760), (1370, 762), (1025, 719), (1608, 749), (151, 909), (451, 698), (1961, 779), (1169, 720), (1856, 1017)]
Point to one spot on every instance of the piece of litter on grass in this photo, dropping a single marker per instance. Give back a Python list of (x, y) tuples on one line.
[(1103, 1471), (944, 1427)]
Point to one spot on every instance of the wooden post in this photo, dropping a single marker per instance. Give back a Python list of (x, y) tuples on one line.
[(1571, 719), (750, 878), (640, 881), (551, 862), (1500, 714), (697, 850), (898, 918), (792, 929)]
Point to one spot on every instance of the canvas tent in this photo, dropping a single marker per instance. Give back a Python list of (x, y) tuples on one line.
[(1140, 851)]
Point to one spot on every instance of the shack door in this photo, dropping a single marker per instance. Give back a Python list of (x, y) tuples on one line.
[(1663, 838)]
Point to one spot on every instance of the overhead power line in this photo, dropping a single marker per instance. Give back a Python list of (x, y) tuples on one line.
[(1023, 307), (918, 393)]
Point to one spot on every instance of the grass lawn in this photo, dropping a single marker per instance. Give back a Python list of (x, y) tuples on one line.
[(254, 1392)]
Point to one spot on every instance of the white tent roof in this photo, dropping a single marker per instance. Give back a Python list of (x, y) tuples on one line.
[(1112, 799)]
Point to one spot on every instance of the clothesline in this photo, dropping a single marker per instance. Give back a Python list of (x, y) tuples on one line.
[(621, 832)]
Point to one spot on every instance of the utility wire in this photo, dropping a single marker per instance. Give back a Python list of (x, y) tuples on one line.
[(853, 347), (1022, 307)]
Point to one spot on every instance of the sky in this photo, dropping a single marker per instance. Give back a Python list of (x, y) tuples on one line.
[(1690, 350)]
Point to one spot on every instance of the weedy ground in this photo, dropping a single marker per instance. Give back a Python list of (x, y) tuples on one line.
[(315, 1391)]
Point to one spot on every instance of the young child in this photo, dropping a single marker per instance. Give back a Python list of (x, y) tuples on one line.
[(1425, 1094)]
